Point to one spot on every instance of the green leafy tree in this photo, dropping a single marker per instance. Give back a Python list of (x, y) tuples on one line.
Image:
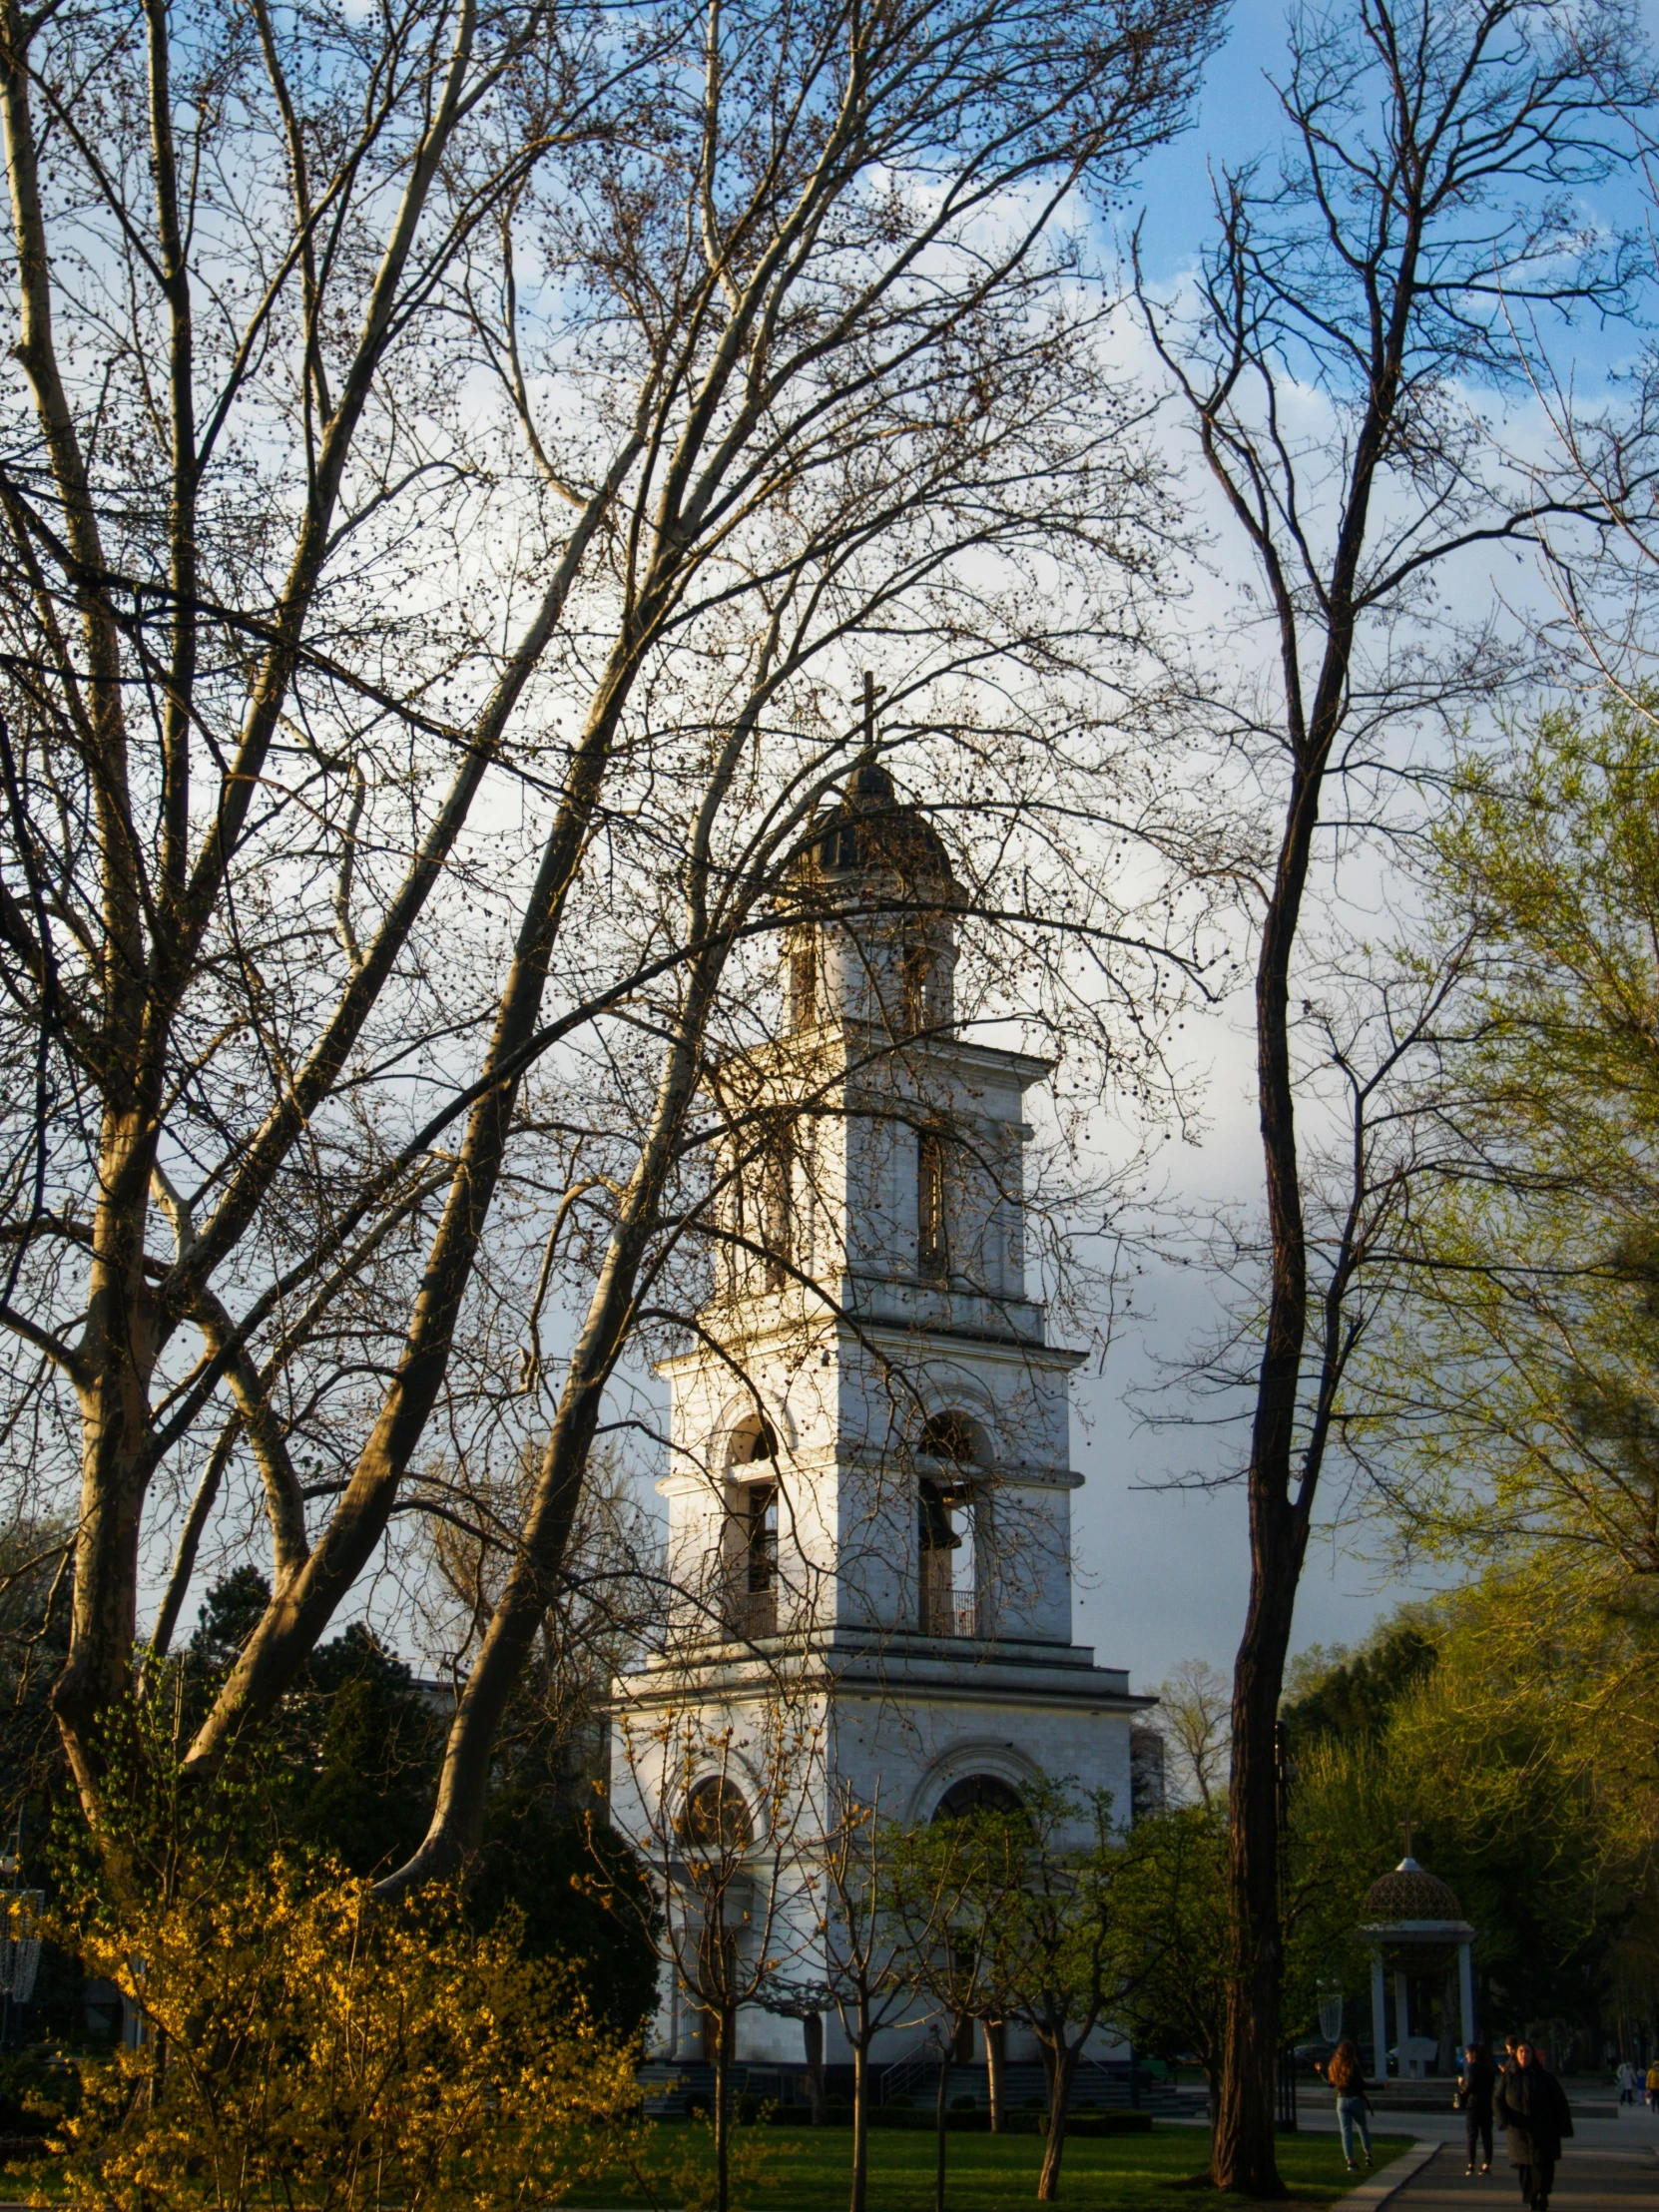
[(945, 1888), (1355, 1694), (1035, 1930), (1516, 1394), (1173, 1893), (1061, 1962), (1525, 1760), (866, 1981), (301, 2045), (1428, 152)]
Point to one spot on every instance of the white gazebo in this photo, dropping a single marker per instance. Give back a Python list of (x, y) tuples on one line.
[(1414, 1925)]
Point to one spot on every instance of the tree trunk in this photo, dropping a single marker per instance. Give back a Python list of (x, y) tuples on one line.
[(1244, 2157), (1062, 2069), (995, 2057), (724, 2042), (811, 2035), (946, 2038), (463, 1782), (861, 2118)]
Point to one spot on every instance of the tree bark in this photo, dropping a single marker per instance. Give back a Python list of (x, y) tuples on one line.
[(1245, 2148), (811, 2035), (995, 2056), (861, 2121), (1062, 2073), (724, 2042)]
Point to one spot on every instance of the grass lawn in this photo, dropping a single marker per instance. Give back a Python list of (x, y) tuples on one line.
[(806, 2170)]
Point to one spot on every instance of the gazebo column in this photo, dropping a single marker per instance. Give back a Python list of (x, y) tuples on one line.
[(1379, 2018), (1466, 1989), (1403, 2018)]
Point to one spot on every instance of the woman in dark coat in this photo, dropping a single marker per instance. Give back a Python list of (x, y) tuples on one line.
[(1531, 2109), (1475, 2086)]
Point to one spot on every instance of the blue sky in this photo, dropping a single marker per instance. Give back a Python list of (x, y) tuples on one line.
[(1163, 1575)]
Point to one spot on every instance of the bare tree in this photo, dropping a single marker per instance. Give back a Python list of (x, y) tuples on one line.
[(1421, 212), (1195, 1705), (541, 401)]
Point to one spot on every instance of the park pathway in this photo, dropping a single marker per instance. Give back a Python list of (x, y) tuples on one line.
[(1613, 2178)]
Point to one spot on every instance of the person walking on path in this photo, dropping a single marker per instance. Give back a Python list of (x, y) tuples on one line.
[(1531, 2109), (1348, 2078), (1476, 2084), (1653, 2086), (1626, 2078)]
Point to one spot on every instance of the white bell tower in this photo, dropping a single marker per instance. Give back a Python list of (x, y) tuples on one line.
[(870, 1489)]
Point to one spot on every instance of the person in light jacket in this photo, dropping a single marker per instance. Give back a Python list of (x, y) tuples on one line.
[(1531, 2109)]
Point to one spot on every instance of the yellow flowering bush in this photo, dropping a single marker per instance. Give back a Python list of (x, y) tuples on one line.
[(303, 2049)]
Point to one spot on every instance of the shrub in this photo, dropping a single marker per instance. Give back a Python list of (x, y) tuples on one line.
[(683, 2170), (37, 2092), (303, 2047), (964, 2104)]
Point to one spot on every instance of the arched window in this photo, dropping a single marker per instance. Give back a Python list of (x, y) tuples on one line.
[(803, 978), (933, 1204), (952, 1437), (951, 1529), (752, 1439), (978, 1793), (715, 1817)]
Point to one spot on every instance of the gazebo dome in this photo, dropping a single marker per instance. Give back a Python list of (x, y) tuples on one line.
[(1411, 1893)]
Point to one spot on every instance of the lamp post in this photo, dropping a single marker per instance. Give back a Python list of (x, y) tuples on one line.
[(20, 1912)]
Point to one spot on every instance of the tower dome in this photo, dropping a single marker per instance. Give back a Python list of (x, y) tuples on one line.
[(872, 830), (871, 892), (1411, 1893)]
